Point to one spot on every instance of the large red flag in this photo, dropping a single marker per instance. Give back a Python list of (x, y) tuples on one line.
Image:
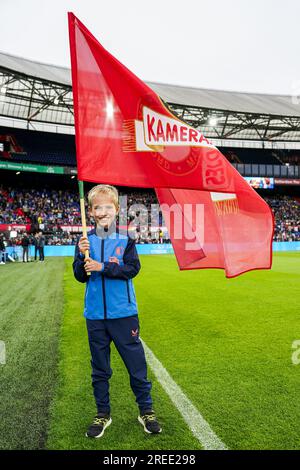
[(229, 231), (125, 135)]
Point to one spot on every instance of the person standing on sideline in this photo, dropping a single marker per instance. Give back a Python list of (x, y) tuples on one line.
[(25, 245), (35, 244), (41, 246), (2, 250)]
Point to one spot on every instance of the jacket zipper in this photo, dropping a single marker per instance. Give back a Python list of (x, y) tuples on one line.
[(128, 293), (103, 282)]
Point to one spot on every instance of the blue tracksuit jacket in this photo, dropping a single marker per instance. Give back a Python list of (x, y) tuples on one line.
[(110, 293)]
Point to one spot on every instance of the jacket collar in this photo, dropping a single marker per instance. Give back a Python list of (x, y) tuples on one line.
[(113, 231)]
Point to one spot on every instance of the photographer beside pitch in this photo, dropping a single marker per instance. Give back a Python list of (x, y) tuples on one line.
[(110, 308)]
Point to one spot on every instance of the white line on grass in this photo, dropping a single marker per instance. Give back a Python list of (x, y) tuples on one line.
[(195, 421)]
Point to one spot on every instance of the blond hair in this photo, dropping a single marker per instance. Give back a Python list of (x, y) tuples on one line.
[(110, 191)]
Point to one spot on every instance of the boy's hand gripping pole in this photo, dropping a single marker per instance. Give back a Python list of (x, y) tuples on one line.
[(83, 219)]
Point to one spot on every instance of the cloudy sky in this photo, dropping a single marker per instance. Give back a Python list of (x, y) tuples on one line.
[(242, 45)]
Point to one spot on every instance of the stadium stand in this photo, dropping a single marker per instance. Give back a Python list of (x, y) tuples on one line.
[(53, 210), (59, 149), (57, 213), (291, 157), (246, 155), (43, 147), (287, 217)]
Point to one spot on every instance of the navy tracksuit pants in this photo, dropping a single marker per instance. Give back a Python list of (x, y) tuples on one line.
[(124, 332)]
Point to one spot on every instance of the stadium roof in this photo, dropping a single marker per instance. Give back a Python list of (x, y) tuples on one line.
[(50, 73), (38, 92), (282, 105)]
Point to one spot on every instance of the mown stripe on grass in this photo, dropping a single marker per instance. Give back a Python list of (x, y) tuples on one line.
[(31, 303)]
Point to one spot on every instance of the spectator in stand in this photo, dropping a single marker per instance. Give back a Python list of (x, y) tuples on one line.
[(287, 218), (161, 236), (25, 245)]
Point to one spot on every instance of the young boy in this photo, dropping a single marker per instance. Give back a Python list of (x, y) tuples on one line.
[(110, 308)]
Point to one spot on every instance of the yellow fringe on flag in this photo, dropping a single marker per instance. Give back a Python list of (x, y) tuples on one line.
[(129, 142), (227, 206)]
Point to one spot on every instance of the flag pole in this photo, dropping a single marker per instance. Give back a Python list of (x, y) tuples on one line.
[(83, 218)]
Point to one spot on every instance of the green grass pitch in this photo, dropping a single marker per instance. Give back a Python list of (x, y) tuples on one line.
[(226, 343)]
